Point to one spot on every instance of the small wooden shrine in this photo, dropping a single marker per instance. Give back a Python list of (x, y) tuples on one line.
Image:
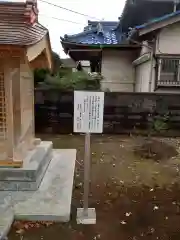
[(24, 45)]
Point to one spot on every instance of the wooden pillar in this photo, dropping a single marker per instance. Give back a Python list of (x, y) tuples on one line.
[(3, 120), (27, 104), (11, 140)]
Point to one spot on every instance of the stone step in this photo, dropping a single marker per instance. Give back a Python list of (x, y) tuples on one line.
[(29, 177), (51, 202)]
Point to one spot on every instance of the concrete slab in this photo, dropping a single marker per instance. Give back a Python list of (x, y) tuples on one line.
[(51, 202), (29, 177), (6, 219), (88, 219)]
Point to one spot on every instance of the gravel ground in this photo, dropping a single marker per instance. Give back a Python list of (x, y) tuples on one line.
[(134, 198)]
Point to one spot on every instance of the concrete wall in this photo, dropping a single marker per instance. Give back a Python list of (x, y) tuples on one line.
[(168, 40), (118, 109), (118, 71)]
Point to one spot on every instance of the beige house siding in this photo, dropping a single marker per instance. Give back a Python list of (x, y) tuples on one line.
[(117, 71), (167, 43), (145, 76), (143, 72), (168, 40)]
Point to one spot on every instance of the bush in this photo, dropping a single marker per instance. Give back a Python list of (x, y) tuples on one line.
[(68, 81)]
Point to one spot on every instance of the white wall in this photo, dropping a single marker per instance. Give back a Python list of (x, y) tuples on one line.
[(117, 70), (143, 72), (168, 40), (144, 79)]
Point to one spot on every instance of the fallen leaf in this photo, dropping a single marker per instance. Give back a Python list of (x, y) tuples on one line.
[(128, 214), (123, 222), (20, 231), (26, 226), (155, 208), (47, 224)]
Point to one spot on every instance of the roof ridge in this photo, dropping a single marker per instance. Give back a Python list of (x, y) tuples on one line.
[(79, 34), (27, 10), (94, 29)]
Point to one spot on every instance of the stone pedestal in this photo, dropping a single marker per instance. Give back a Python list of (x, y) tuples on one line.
[(29, 177), (88, 219)]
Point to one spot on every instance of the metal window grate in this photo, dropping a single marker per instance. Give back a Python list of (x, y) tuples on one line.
[(169, 72)]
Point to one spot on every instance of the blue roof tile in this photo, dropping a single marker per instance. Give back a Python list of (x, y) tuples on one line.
[(97, 33)]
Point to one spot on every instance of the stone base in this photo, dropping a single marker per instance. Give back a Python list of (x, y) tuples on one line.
[(90, 218), (29, 177), (52, 200)]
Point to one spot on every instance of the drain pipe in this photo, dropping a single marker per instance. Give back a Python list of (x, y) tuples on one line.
[(151, 71)]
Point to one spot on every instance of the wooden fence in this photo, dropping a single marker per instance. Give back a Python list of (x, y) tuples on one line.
[(123, 112)]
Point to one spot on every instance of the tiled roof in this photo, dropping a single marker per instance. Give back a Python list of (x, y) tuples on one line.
[(18, 33), (156, 20), (16, 27), (96, 33), (137, 12)]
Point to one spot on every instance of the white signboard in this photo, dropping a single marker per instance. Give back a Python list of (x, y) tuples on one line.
[(88, 112)]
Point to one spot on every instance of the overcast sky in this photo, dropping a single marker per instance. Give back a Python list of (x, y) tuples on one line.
[(106, 10)]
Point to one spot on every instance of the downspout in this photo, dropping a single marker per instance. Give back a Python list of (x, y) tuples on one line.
[(151, 71)]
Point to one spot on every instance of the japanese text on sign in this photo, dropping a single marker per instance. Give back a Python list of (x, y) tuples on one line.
[(88, 111)]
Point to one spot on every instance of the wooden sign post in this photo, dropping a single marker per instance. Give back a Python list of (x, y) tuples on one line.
[(88, 118)]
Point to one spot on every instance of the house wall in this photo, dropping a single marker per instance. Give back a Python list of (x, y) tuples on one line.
[(117, 71), (86, 69), (167, 43), (86, 66), (168, 40), (145, 76), (142, 73)]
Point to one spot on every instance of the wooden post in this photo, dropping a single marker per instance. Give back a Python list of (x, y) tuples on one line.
[(87, 162), (10, 146)]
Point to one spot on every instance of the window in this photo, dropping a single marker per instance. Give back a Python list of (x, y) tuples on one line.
[(168, 72)]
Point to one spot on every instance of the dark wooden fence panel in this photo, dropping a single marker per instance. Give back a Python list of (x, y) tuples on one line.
[(123, 112)]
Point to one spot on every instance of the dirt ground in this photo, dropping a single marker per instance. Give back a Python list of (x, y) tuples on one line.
[(135, 198)]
